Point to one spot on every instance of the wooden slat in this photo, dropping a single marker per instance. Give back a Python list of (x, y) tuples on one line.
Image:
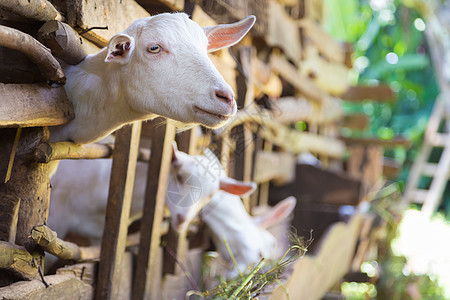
[(283, 31), (326, 44), (329, 76), (116, 15), (33, 105), (356, 121), (147, 276), (118, 210), (62, 287), (305, 85), (277, 166), (380, 93)]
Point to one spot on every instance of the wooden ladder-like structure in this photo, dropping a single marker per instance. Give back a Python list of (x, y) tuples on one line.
[(439, 172)]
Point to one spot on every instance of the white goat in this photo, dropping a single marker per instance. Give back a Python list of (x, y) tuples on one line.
[(196, 184), (157, 66), (225, 213)]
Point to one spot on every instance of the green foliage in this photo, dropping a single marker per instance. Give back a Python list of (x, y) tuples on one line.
[(389, 48)]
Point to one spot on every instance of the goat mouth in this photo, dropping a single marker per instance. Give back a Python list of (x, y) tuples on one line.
[(219, 116)]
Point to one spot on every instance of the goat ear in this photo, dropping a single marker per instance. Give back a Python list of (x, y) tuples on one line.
[(236, 187), (276, 214), (226, 35), (120, 49), (174, 152)]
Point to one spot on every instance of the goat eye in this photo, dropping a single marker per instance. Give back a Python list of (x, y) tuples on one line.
[(155, 49)]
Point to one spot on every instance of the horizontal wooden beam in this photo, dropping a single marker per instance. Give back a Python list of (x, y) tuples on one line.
[(33, 105), (113, 16), (277, 166), (381, 93), (47, 152), (290, 139), (356, 121), (327, 45), (374, 141), (283, 31), (302, 83), (62, 287)]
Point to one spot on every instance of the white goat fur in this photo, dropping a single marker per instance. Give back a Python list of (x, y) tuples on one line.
[(126, 82), (223, 212)]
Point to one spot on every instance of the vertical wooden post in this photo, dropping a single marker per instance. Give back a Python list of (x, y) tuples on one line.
[(147, 276), (28, 181), (126, 149)]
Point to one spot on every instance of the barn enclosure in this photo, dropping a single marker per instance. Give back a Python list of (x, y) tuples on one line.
[(90, 220)]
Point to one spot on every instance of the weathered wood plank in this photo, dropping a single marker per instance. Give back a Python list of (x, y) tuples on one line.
[(356, 121), (305, 85), (29, 181), (326, 44), (64, 42), (63, 287), (9, 214), (32, 105), (118, 210), (116, 15), (381, 93), (330, 76), (147, 266), (283, 31), (374, 141), (289, 110), (276, 166), (291, 139)]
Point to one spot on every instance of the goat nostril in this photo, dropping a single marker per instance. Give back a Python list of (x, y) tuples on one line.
[(226, 97)]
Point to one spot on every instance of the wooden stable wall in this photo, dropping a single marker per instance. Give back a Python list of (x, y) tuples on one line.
[(287, 70)]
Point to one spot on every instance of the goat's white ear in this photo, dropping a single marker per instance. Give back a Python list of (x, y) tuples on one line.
[(277, 213), (226, 35), (120, 49), (236, 187), (174, 152)]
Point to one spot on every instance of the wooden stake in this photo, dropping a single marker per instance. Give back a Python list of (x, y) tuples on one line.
[(118, 210), (147, 275)]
